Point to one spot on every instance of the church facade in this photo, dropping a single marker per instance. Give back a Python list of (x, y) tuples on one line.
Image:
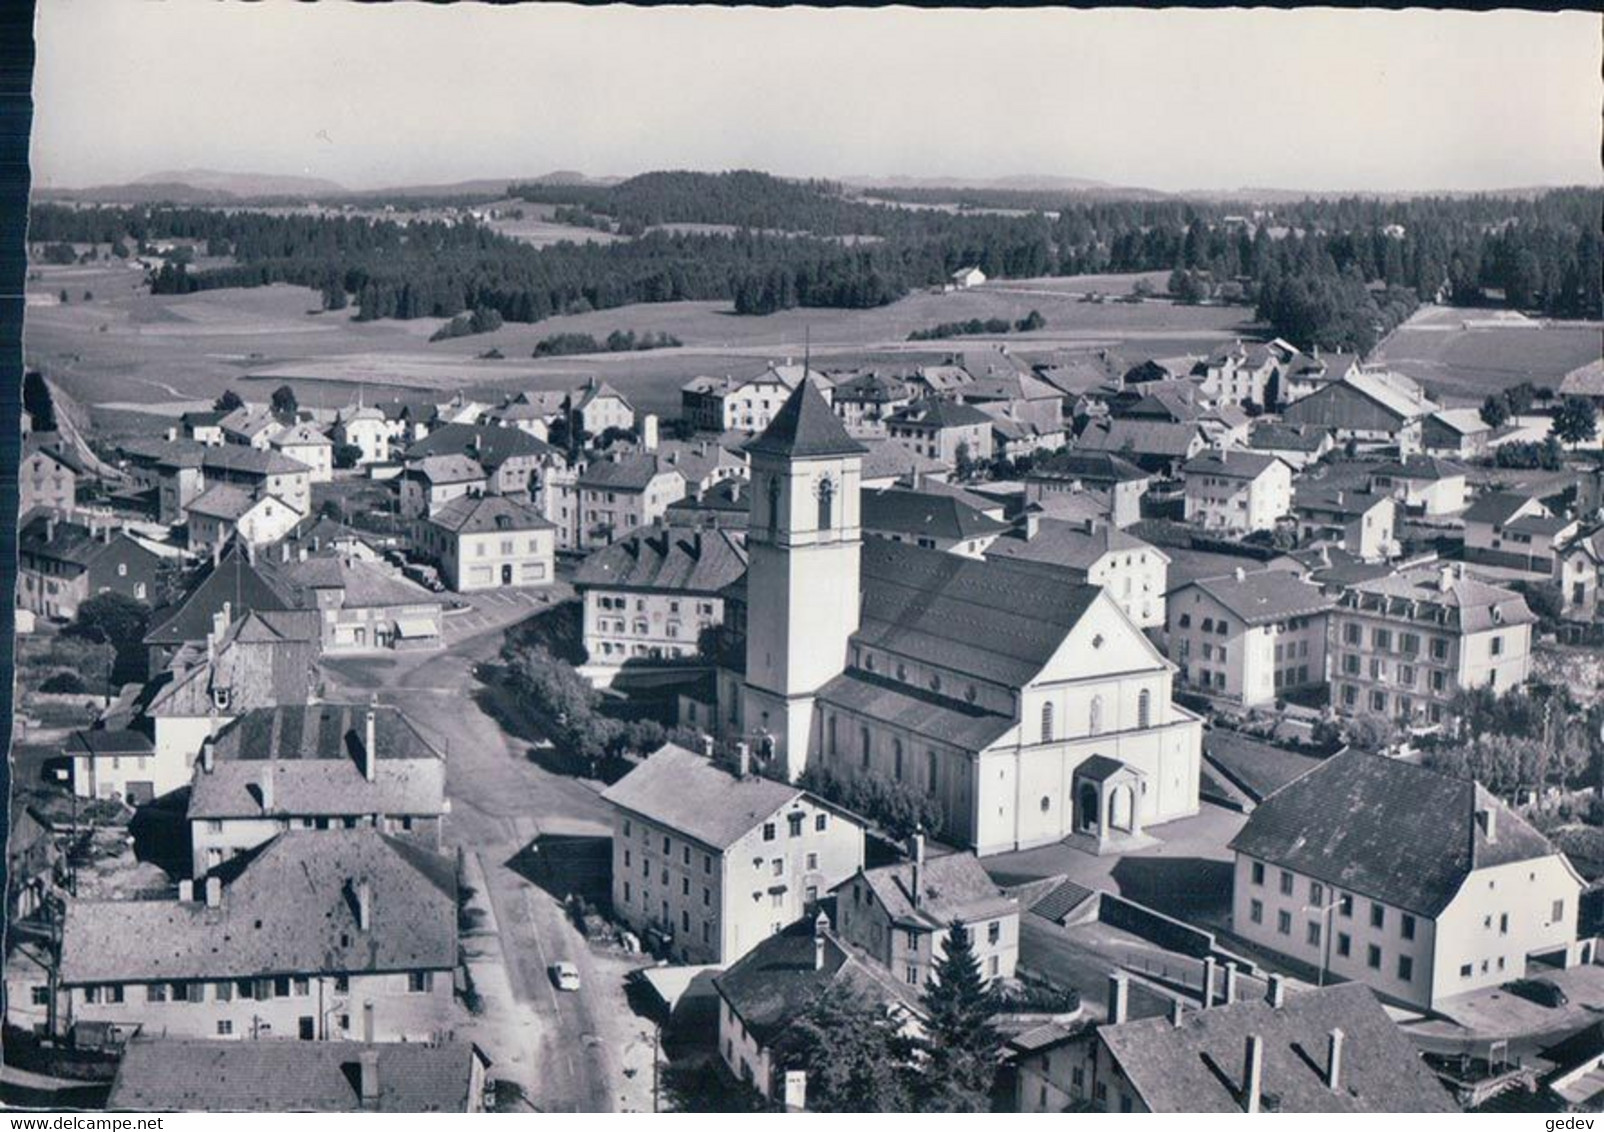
[(1029, 706)]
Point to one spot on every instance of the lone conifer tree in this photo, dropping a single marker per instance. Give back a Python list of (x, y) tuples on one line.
[(961, 1044)]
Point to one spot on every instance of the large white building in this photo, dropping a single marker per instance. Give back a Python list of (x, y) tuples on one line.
[(1421, 885), (1031, 708)]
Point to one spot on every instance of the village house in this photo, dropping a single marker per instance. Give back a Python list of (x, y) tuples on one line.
[(230, 584), (619, 493), (428, 484), (966, 277), (1504, 528), (1425, 485), (47, 476), (1015, 396), (970, 681), (313, 766), (1579, 571), (768, 990), (1297, 445), (203, 428), (1332, 1049), (227, 512), (306, 443), (927, 519), (61, 564), (942, 430), (1585, 381), (407, 420), (1237, 492), (250, 425), (1371, 408), (1308, 374), (1095, 552), (363, 606), (1360, 522), (1460, 433), (1418, 884), (367, 946), (709, 863), (864, 401), (900, 915), (724, 507), (652, 595), (1249, 638), (122, 764), (1104, 473), (599, 407), (739, 404), (531, 412), (510, 458), (702, 463), (259, 472), (364, 428), (1403, 645), (217, 1075), (171, 472), (1247, 373), (489, 541), (1157, 447), (888, 463)]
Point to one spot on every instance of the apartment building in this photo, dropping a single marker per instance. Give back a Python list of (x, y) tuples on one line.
[(1237, 492), (1249, 638)]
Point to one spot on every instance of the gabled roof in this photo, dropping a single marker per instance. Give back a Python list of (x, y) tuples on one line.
[(951, 887), (300, 434), (1144, 438), (41, 444), (1431, 468), (1466, 422), (886, 459), (200, 1075), (233, 581), (685, 792), (1272, 436), (237, 458), (1073, 546), (1265, 597), (281, 672), (594, 390), (1315, 497), (1473, 606), (291, 910), (1091, 467), (913, 709), (1499, 507), (996, 620), (489, 445), (249, 420), (364, 584), (677, 559), (1584, 381), (447, 469), (1386, 829), (1196, 1066), (805, 427), (922, 513), (938, 413), (871, 387), (73, 543), (224, 501), (480, 514), (628, 472), (1235, 464)]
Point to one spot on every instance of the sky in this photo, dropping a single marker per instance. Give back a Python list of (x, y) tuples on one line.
[(406, 93)]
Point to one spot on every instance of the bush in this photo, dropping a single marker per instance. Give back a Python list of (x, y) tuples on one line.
[(64, 684), (897, 809)]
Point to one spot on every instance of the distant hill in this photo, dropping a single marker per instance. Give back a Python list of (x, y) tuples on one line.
[(210, 186), (1024, 182), (246, 184)]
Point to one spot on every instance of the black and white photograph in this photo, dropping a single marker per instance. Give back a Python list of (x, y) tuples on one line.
[(602, 559)]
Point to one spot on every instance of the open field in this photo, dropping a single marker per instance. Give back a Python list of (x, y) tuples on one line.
[(1466, 362), (131, 349)]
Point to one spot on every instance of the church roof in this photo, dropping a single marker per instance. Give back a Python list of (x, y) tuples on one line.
[(805, 426)]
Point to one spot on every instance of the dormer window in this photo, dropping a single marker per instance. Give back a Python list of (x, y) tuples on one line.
[(221, 697)]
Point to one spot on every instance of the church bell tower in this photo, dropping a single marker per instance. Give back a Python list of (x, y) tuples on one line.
[(803, 547)]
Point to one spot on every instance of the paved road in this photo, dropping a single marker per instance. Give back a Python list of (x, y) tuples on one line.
[(501, 802)]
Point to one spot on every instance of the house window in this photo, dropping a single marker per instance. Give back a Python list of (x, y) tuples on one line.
[(1557, 912), (1378, 915), (1047, 723), (1144, 708), (1344, 944), (994, 931), (1312, 934), (224, 1028), (794, 821), (1283, 922), (420, 982), (1095, 716), (1257, 872), (1406, 968), (1286, 883), (820, 822), (864, 746), (1256, 911), (896, 759), (1373, 957), (1406, 927), (1345, 904), (768, 831), (1465, 971), (911, 974), (826, 501)]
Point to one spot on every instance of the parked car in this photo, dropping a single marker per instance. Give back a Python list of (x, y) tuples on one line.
[(1541, 991), (565, 976)]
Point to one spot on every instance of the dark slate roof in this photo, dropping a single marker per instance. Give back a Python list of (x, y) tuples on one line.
[(951, 887), (626, 473), (908, 708), (490, 445), (1470, 604), (1496, 507), (1146, 438), (1421, 468), (870, 387), (104, 744), (1266, 596), (1279, 436), (71, 542), (805, 427), (923, 513), (772, 985), (320, 731), (1252, 765), (292, 910), (998, 620), (1090, 467), (452, 468), (683, 560), (223, 501), (1386, 829), (1317, 497), (254, 461), (362, 584), (937, 413), (684, 791), (1060, 542), (884, 458), (480, 514), (1197, 1066), (1238, 464), (234, 581), (200, 1075)]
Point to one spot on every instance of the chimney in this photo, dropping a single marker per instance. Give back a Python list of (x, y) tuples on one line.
[(186, 891), (1276, 993), (369, 1060), (364, 905), (1032, 524), (106, 533), (916, 851), (208, 754), (1119, 989), (796, 1090), (1252, 1070), (648, 432), (267, 787), (50, 529), (370, 750), (1334, 1060), (1445, 579), (707, 746), (1208, 982), (743, 759), (1177, 1012), (214, 892), (1487, 819), (1230, 984), (172, 435), (367, 1021)]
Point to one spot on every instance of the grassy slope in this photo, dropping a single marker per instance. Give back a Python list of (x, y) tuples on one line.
[(1464, 365)]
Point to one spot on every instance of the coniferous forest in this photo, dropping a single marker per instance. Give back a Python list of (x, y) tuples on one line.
[(1332, 272)]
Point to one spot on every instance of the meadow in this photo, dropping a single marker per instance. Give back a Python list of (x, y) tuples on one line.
[(1463, 354), (166, 353)]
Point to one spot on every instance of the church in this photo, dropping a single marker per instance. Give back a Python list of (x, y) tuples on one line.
[(1029, 706)]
